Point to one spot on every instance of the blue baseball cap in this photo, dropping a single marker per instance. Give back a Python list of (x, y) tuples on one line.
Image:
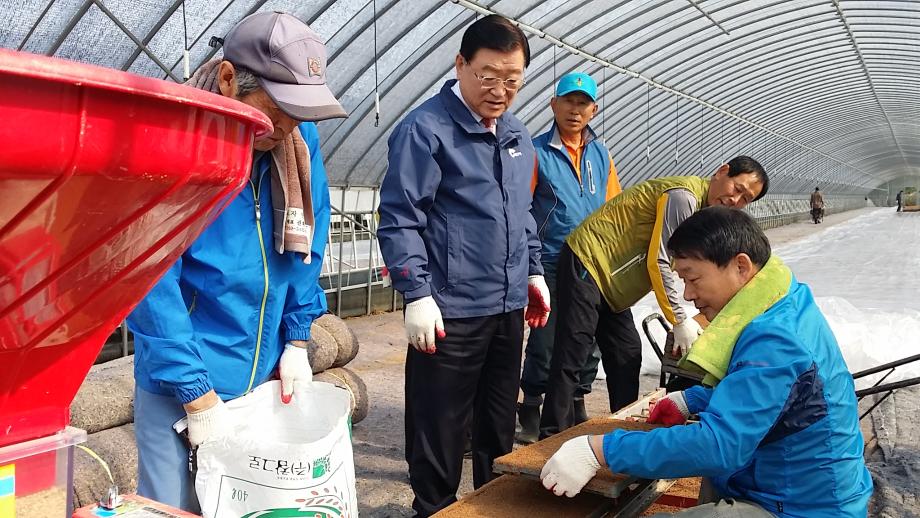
[(577, 82)]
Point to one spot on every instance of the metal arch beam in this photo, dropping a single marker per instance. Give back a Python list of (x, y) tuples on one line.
[(661, 161), (728, 66), (851, 131), (649, 50), (762, 65), (401, 72), (782, 119), (152, 33), (709, 16), (748, 71), (666, 89), (856, 48), (258, 5), (875, 34), (817, 137), (202, 33), (762, 60), (789, 82), (719, 85), (340, 135), (74, 20), (35, 25), (807, 101), (118, 23), (365, 26), (804, 94)]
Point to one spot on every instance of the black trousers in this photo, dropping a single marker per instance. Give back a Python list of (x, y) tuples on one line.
[(583, 317), (470, 382)]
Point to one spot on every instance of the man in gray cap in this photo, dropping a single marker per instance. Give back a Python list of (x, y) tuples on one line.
[(237, 306)]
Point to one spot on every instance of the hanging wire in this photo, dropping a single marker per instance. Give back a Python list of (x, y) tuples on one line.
[(604, 106), (648, 118), (186, 66), (701, 139), (676, 128), (738, 137), (376, 79), (553, 89), (722, 139)]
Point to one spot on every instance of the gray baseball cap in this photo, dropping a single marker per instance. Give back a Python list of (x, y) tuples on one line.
[(289, 61)]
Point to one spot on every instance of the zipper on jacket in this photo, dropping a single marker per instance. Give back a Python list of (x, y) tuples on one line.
[(629, 263), (255, 360), (191, 306)]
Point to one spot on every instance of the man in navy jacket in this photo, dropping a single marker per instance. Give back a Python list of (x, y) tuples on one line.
[(461, 245)]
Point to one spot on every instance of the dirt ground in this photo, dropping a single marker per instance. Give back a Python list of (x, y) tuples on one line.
[(382, 477)]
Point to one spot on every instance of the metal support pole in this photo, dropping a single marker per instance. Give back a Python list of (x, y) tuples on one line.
[(135, 39), (124, 339), (880, 368), (887, 387), (338, 295), (877, 403), (371, 265)]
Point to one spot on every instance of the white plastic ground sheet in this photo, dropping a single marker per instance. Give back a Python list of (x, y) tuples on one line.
[(865, 276)]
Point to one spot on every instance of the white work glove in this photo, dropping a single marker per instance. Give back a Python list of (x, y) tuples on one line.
[(423, 323), (670, 410), (685, 334), (208, 424), (538, 307), (570, 468), (294, 368)]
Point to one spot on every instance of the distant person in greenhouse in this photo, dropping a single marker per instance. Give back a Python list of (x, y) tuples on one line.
[(817, 206)]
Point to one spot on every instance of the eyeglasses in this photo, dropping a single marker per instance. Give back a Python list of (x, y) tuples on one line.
[(488, 82)]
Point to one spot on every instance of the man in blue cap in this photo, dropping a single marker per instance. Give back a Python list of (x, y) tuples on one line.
[(573, 176)]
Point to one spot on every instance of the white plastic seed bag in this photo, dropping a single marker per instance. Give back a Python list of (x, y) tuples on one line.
[(281, 460)]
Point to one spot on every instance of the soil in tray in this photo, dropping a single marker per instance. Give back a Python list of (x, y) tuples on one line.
[(529, 460), (512, 495)]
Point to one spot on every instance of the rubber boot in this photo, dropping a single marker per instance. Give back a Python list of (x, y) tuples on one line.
[(529, 417), (581, 414)]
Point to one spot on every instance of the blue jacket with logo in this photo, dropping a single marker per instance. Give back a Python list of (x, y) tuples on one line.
[(561, 200), (781, 429), (455, 218), (220, 316)]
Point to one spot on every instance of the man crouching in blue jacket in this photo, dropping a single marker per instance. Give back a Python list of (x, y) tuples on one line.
[(238, 304), (778, 434), (461, 245)]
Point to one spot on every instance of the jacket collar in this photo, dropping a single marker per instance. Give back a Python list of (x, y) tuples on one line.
[(587, 136), (463, 117)]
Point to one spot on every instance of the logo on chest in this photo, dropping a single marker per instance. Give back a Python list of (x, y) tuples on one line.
[(514, 152)]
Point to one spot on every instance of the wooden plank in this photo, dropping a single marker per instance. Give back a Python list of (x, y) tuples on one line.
[(640, 407), (529, 460), (511, 495)]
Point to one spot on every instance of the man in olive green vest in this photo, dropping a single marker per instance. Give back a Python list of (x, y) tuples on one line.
[(613, 259)]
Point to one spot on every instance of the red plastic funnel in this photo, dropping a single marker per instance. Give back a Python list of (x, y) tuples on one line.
[(105, 178)]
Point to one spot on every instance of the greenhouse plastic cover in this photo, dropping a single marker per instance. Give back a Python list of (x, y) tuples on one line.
[(820, 91)]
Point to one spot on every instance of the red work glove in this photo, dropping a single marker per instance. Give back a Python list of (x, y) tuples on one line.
[(670, 411), (537, 312)]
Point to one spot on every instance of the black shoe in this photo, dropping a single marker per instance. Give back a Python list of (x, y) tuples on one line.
[(529, 417), (581, 414)]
